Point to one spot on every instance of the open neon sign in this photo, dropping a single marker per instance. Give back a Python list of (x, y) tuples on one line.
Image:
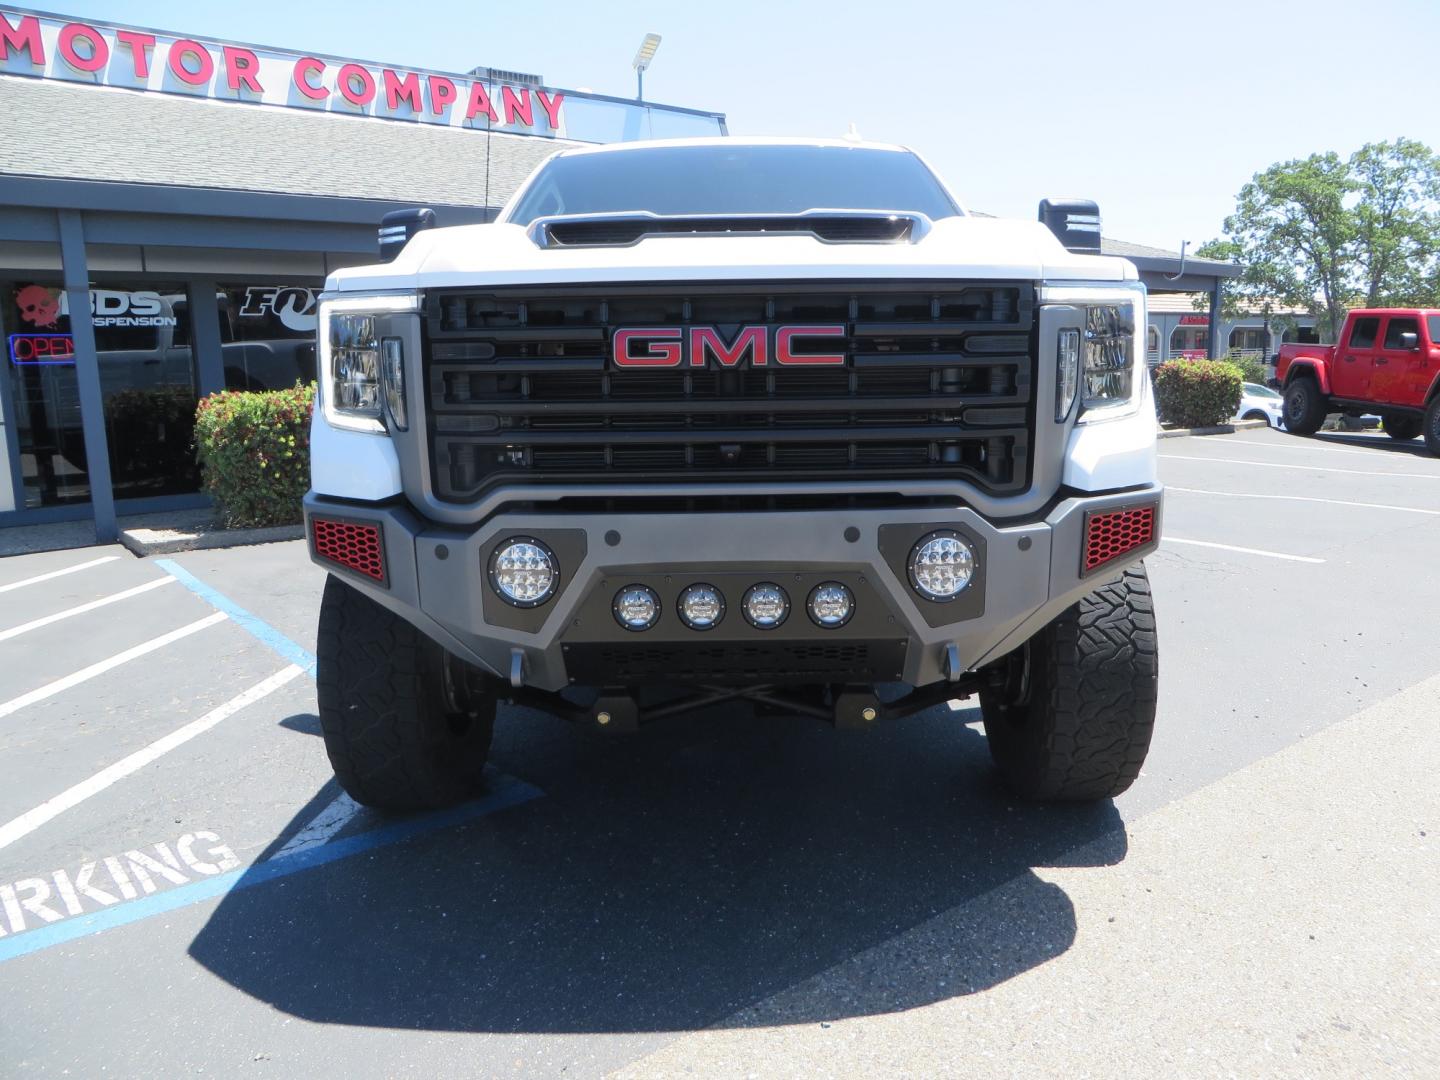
[(38, 349)]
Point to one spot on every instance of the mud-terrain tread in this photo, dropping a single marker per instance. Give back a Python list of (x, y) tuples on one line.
[(1402, 427), (1432, 426), (1085, 731), (378, 682), (1317, 408)]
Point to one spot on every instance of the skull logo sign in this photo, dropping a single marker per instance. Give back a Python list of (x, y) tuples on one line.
[(38, 305)]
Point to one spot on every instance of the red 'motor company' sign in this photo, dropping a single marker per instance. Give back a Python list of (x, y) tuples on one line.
[(696, 346)]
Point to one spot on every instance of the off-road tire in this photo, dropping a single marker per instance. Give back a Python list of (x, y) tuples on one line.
[(1305, 406), (1402, 427), (395, 729), (1432, 426), (1078, 725)]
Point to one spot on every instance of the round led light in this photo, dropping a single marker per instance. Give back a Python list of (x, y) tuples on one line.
[(831, 605), (766, 606), (524, 572), (941, 565), (636, 607), (701, 606)]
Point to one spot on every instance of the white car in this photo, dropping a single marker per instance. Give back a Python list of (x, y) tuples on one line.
[(1261, 403)]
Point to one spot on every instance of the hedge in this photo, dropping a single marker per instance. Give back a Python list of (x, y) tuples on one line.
[(1197, 393), (254, 450)]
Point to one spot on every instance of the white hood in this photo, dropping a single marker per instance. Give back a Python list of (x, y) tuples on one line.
[(955, 247)]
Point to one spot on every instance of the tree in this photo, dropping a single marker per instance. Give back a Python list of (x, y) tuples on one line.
[(1324, 234), (1397, 228)]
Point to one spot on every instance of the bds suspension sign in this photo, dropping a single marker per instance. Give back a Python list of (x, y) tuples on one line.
[(108, 55)]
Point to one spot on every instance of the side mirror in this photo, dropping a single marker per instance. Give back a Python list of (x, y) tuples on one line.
[(1409, 341), (1075, 223), (398, 226)]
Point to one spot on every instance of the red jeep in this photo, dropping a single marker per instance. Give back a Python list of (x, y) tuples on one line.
[(1387, 362)]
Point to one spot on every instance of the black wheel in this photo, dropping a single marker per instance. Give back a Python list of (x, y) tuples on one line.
[(1432, 426), (401, 733), (1073, 719), (1402, 426), (1304, 406)]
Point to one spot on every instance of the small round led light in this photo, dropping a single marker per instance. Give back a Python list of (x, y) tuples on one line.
[(636, 607), (941, 566), (701, 606), (524, 572), (831, 605), (765, 605)]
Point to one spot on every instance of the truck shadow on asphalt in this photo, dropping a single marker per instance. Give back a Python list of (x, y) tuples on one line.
[(666, 882)]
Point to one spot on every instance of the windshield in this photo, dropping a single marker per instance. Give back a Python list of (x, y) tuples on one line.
[(685, 180), (1256, 390)]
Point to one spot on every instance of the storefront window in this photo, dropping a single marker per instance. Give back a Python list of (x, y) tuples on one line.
[(147, 386), (1249, 339), (1189, 341), (267, 334)]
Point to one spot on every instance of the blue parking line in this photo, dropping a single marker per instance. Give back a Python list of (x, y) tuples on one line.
[(505, 792), (255, 625)]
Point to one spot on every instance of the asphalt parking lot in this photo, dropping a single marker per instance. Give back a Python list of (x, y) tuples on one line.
[(183, 889)]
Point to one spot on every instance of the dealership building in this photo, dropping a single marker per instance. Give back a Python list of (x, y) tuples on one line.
[(170, 206)]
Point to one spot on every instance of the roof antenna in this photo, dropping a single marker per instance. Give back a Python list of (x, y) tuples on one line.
[(1181, 272), (853, 135)]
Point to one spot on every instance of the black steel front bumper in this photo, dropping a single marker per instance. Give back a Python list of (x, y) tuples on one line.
[(436, 578)]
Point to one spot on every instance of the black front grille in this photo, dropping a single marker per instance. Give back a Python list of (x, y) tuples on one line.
[(936, 383)]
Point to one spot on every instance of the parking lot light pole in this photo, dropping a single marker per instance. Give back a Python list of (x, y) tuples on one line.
[(643, 56)]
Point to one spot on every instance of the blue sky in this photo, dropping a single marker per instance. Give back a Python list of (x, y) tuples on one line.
[(1158, 111)]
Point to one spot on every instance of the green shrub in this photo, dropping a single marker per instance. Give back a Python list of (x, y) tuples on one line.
[(254, 449), (1197, 393), (1252, 368)]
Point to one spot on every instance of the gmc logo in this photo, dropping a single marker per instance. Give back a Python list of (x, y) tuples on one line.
[(678, 346)]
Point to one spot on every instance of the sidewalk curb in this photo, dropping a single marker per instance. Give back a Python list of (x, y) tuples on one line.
[(1218, 429), (162, 541)]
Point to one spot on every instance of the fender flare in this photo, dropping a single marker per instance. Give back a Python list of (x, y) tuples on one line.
[(1314, 367), (1434, 391)]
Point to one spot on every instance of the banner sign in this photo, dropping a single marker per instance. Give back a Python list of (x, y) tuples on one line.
[(105, 55)]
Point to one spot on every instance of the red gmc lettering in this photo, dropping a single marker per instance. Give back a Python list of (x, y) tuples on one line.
[(398, 90), (240, 67), (787, 334), (662, 347), (442, 94), (750, 339), (137, 43), (303, 68), (205, 66), (99, 54), (25, 37)]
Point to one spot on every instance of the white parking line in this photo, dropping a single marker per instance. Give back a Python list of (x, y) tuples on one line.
[(35, 624), (58, 573), (1299, 443), (31, 820), (322, 826), (1243, 550), (1303, 498), (51, 689), (1302, 468)]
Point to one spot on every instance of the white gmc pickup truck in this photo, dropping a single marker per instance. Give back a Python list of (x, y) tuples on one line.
[(772, 421)]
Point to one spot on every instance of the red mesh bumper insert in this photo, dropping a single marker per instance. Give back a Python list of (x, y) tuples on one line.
[(1112, 533), (355, 546)]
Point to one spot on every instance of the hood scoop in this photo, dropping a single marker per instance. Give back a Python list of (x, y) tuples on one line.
[(827, 226)]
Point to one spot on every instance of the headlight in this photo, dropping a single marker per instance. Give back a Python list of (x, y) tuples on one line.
[(361, 365), (524, 572), (1067, 372), (1108, 373)]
